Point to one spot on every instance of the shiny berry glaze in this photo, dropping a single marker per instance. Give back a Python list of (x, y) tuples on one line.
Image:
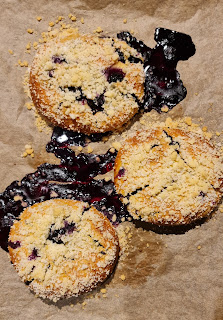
[(63, 138), (162, 84)]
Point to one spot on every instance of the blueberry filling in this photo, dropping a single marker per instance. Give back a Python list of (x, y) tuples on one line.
[(74, 168), (202, 194), (175, 143), (98, 243), (137, 100), (51, 73), (95, 104), (134, 59), (14, 244), (59, 60), (33, 255), (78, 90), (114, 74), (121, 55), (121, 172), (56, 235), (69, 227), (162, 83)]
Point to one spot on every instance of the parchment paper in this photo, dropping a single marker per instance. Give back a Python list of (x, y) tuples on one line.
[(170, 278)]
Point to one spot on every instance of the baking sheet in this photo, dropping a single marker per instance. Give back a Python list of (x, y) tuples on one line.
[(167, 276)]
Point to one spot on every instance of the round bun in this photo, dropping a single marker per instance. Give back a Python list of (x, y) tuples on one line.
[(87, 83), (169, 176), (62, 248)]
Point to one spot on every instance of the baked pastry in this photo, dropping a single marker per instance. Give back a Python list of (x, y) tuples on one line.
[(169, 176), (62, 248), (87, 83)]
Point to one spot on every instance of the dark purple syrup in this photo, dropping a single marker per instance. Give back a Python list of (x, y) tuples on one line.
[(65, 137), (162, 84)]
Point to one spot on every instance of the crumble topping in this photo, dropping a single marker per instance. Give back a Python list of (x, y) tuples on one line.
[(28, 151)]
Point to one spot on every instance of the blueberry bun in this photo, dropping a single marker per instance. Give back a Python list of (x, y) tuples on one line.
[(62, 248), (169, 176), (87, 83)]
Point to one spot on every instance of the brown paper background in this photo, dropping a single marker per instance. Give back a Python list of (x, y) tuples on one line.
[(170, 279)]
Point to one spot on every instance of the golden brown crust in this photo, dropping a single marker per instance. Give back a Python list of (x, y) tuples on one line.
[(169, 176), (64, 248), (86, 59)]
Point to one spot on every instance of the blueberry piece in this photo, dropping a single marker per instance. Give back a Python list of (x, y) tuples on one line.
[(69, 227), (114, 74), (121, 55), (134, 59), (51, 72), (33, 255), (14, 244), (56, 235), (57, 59), (97, 103), (121, 172)]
